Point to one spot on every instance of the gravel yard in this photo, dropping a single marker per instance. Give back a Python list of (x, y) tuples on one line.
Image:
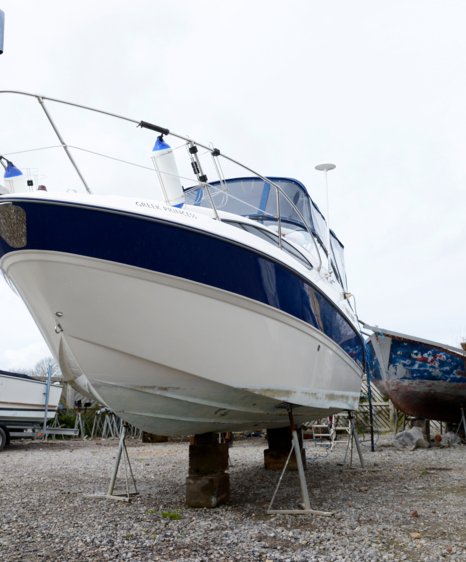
[(404, 505)]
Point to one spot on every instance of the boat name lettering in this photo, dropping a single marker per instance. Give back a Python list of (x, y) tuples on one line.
[(174, 210)]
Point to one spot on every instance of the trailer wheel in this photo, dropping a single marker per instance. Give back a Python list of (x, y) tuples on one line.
[(3, 438)]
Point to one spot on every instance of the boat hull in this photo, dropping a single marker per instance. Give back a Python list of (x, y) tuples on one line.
[(422, 379), (22, 399), (173, 323), (177, 357)]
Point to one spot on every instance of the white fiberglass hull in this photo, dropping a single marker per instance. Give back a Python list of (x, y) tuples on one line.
[(23, 399), (176, 357)]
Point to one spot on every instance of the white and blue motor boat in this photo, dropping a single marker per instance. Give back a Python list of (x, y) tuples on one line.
[(209, 306)]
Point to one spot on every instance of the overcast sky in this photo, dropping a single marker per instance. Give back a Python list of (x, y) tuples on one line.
[(377, 87)]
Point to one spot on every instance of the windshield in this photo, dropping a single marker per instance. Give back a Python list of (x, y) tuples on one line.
[(256, 198), (338, 259), (320, 225)]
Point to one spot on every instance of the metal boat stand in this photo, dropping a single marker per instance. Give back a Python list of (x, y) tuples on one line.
[(462, 423), (353, 440), (79, 425), (129, 476), (306, 506), (55, 430)]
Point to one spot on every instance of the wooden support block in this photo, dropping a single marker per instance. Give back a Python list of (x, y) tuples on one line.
[(275, 460), (208, 459), (207, 490), (280, 442), (153, 438), (208, 483)]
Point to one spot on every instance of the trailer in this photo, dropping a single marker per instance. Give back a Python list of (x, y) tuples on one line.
[(14, 430), (26, 406)]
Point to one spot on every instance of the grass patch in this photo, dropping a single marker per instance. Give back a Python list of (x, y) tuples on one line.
[(173, 515)]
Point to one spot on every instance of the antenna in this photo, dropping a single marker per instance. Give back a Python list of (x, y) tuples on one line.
[(326, 168), (2, 26)]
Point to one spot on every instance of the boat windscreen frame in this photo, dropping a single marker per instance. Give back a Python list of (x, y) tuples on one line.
[(338, 259), (272, 238), (261, 208)]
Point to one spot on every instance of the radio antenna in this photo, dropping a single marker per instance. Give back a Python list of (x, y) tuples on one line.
[(326, 168)]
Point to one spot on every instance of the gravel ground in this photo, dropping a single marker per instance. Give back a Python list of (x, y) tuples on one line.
[(404, 505)]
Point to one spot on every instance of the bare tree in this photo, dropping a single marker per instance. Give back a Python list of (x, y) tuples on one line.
[(41, 369)]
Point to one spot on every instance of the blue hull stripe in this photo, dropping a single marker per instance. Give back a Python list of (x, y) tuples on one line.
[(186, 253)]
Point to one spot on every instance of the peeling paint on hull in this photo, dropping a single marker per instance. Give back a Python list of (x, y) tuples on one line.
[(432, 400), (422, 379)]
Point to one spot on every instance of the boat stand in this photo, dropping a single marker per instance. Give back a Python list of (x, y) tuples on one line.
[(55, 430), (129, 476), (306, 506), (79, 425), (462, 423), (353, 440)]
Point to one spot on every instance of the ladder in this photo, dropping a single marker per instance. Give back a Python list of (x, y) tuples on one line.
[(328, 432)]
